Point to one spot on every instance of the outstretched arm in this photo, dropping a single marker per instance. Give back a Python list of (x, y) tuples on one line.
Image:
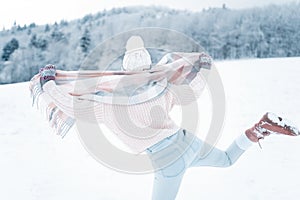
[(187, 83), (71, 105)]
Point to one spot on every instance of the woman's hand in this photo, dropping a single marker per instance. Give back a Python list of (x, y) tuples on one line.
[(47, 73)]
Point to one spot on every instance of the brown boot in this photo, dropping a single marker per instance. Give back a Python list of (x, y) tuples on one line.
[(271, 124)]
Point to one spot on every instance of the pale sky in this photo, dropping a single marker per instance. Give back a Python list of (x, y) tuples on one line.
[(49, 11)]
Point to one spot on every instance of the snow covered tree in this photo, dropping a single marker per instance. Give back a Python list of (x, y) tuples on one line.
[(9, 48), (85, 41), (57, 35), (47, 28), (38, 43)]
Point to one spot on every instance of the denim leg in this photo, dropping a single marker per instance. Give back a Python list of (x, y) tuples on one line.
[(170, 165), (172, 156), (217, 157), (166, 188)]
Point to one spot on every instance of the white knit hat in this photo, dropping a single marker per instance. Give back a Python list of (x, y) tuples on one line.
[(136, 56)]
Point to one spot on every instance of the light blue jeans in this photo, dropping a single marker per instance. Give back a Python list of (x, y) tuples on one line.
[(173, 155)]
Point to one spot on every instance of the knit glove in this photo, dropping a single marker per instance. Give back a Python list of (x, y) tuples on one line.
[(47, 73), (205, 61)]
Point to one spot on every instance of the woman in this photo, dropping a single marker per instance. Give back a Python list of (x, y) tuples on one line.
[(172, 149)]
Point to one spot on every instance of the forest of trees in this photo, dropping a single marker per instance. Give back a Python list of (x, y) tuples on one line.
[(271, 31)]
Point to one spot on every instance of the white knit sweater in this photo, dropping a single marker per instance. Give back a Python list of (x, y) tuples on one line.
[(129, 121)]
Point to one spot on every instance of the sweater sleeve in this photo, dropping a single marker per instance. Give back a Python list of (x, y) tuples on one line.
[(71, 105), (187, 93), (187, 83)]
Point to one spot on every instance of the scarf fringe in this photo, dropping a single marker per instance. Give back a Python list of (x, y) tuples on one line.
[(59, 121), (35, 93)]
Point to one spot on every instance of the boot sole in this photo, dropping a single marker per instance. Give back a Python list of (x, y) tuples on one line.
[(275, 124)]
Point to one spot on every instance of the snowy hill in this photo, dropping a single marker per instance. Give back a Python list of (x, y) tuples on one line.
[(35, 164), (224, 33)]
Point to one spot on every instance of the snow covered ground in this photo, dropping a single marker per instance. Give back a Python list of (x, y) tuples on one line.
[(35, 164)]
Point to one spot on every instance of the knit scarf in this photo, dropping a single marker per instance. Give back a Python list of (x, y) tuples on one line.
[(116, 87)]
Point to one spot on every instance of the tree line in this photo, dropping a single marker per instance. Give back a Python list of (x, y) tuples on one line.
[(271, 31)]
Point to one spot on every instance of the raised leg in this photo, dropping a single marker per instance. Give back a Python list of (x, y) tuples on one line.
[(217, 157)]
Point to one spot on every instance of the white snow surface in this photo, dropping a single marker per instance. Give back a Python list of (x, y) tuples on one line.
[(35, 164)]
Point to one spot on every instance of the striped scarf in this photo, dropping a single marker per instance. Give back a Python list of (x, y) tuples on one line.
[(116, 87)]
